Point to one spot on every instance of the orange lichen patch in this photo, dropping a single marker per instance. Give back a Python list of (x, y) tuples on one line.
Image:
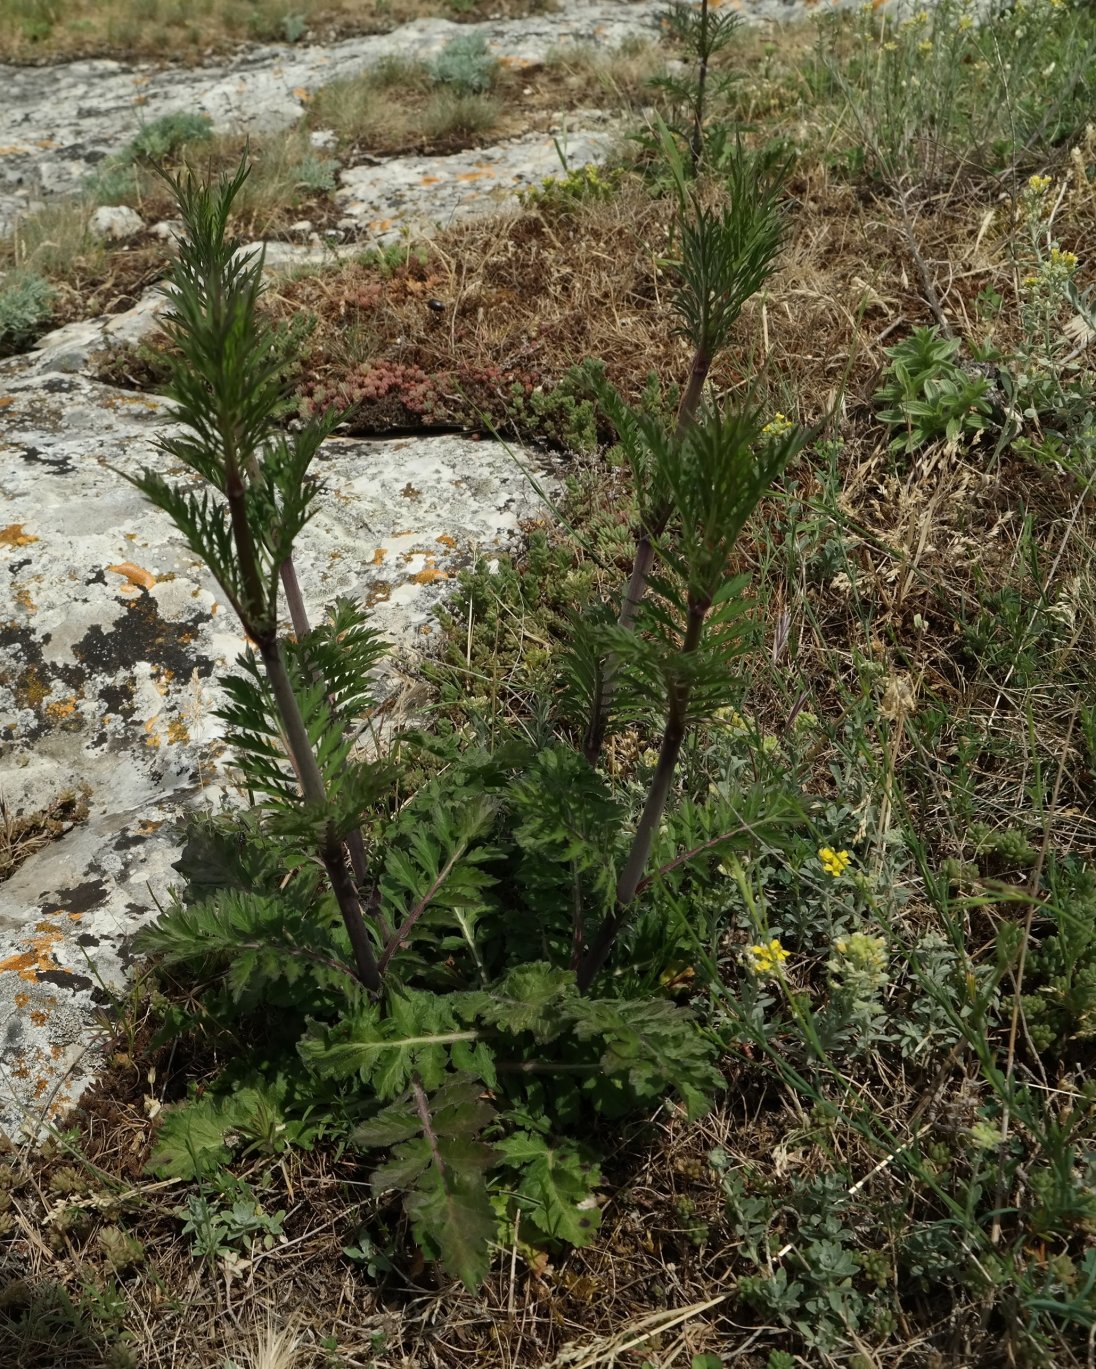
[(38, 959), (152, 737), (6, 400), (410, 492), (479, 175), (380, 225), (11, 150), (45, 143), (426, 629), (23, 599), (177, 731), (147, 825), (446, 540), (378, 556), (134, 574), (39, 1018), (430, 574), (13, 535), (429, 180), (303, 94), (21, 999), (61, 708)]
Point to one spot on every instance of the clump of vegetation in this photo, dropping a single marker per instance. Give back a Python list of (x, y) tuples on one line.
[(930, 394), (118, 180), (466, 64), (26, 303)]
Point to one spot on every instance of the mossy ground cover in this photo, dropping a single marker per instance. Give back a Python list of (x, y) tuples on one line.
[(860, 1195)]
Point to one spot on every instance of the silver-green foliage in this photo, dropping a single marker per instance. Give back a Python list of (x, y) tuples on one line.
[(26, 301), (466, 64)]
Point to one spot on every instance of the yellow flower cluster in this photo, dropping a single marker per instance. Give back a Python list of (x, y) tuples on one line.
[(777, 426), (1054, 273), (1039, 185), (834, 863), (767, 960)]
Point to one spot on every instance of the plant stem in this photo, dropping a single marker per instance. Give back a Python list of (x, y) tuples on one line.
[(315, 794), (697, 145), (670, 751), (642, 564)]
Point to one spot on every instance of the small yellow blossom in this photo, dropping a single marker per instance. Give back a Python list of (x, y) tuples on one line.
[(925, 47), (1066, 261), (965, 23), (777, 426), (890, 47), (1039, 185), (767, 960), (834, 863)]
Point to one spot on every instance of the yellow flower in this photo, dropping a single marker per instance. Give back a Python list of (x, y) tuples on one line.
[(925, 47), (890, 47), (777, 426), (965, 23), (1039, 185), (767, 960), (834, 863), (1067, 261)]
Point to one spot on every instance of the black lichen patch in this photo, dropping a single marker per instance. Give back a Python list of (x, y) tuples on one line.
[(81, 898), (60, 463), (65, 979), (141, 634)]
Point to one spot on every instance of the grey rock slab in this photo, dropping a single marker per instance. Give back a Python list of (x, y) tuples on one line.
[(405, 195), (112, 639), (68, 348), (57, 122)]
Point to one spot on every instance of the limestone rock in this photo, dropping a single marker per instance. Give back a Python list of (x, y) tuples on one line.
[(116, 222), (112, 639)]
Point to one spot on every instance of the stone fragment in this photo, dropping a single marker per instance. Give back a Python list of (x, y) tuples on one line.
[(116, 223)]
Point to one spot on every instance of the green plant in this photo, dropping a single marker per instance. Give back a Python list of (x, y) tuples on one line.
[(429, 963), (466, 64), (117, 178), (703, 34), (561, 193), (929, 393), (316, 174), (166, 135), (26, 301), (218, 1231)]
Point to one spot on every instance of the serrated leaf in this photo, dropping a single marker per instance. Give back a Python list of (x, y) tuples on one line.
[(557, 1185), (191, 1137)]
